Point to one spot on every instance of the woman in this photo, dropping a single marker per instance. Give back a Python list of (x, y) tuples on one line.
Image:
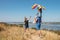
[(37, 21)]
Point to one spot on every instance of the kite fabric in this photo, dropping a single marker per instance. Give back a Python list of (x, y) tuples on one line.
[(34, 6), (38, 6)]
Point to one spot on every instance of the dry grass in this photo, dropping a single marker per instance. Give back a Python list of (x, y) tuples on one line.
[(17, 33)]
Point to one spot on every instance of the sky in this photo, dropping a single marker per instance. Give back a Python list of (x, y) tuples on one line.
[(16, 10)]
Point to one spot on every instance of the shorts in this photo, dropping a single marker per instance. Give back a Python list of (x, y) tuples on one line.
[(38, 25), (26, 26)]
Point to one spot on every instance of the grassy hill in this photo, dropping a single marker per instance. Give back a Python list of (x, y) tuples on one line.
[(17, 32)]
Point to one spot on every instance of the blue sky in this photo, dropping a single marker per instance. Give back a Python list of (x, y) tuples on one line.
[(15, 10)]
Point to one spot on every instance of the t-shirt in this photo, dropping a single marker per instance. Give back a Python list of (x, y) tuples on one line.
[(26, 22)]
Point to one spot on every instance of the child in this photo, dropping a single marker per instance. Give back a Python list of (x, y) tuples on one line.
[(26, 21)]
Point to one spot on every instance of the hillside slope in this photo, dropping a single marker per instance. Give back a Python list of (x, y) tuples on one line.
[(17, 33)]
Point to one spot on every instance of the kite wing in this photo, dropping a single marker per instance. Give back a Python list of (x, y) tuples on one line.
[(34, 6), (38, 6)]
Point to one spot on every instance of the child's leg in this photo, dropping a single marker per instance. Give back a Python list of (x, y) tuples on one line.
[(25, 28)]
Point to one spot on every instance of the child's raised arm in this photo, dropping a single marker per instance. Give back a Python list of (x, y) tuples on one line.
[(29, 18)]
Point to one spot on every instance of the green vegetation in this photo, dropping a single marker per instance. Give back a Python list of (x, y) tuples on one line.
[(33, 28), (20, 25)]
